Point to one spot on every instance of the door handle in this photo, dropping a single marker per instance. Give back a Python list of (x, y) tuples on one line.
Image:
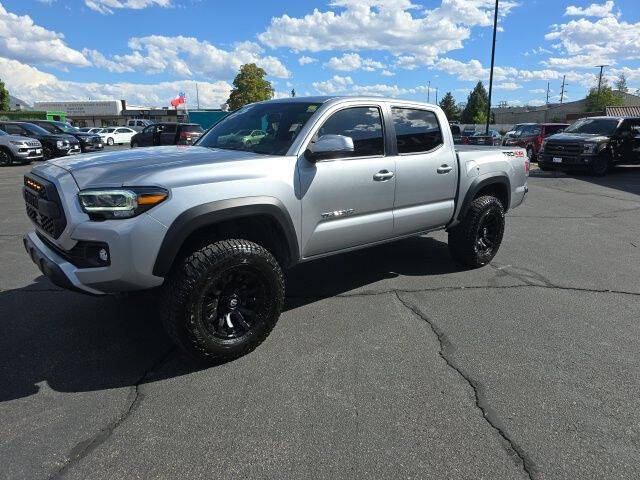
[(444, 169), (383, 175)]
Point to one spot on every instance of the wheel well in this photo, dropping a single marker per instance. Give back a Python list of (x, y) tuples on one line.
[(261, 229), (498, 190)]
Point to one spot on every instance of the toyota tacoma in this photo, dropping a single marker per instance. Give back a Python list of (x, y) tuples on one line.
[(216, 224)]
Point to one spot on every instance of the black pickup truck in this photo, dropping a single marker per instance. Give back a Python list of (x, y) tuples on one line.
[(593, 144), (89, 142), (167, 133)]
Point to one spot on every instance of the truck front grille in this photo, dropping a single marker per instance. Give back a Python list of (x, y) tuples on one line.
[(559, 149), (43, 205)]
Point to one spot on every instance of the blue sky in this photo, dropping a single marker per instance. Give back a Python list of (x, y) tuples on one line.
[(147, 50)]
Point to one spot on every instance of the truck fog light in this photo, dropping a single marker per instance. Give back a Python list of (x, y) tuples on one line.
[(103, 255)]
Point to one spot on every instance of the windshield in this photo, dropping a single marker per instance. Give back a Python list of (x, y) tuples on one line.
[(66, 128), (594, 126), (277, 124), (30, 127)]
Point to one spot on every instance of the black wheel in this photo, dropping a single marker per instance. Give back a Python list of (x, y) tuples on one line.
[(110, 141), (476, 240), (599, 167), (530, 154), (134, 145), (6, 158), (223, 300)]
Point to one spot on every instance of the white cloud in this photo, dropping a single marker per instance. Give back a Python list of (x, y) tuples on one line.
[(304, 60), (588, 43), (21, 39), (352, 61), (107, 6), (333, 85), (507, 86), (396, 26), (33, 85), (188, 56), (593, 10), (538, 90), (387, 73)]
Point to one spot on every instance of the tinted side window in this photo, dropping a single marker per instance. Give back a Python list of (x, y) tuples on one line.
[(148, 129), (122, 130), (170, 128), (362, 124), (14, 130), (416, 130)]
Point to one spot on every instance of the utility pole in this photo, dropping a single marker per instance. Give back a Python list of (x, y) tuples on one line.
[(548, 93), (197, 96), (493, 56), (429, 92), (600, 77), (436, 95), (563, 85)]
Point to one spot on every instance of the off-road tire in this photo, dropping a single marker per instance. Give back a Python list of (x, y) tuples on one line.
[(464, 238), (6, 157), (189, 286)]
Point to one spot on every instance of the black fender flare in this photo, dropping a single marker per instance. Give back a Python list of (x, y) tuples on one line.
[(481, 182), (214, 212)]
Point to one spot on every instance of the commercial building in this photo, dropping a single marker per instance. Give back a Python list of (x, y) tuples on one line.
[(556, 112)]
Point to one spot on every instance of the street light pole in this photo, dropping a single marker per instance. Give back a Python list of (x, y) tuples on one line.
[(493, 56), (429, 92)]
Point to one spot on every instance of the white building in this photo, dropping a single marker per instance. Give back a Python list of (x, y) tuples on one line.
[(99, 113)]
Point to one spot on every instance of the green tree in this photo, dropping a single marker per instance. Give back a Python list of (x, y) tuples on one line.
[(621, 84), (476, 107), (596, 102), (448, 105), (249, 86), (5, 105)]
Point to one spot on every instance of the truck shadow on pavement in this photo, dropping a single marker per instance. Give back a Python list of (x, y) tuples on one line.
[(69, 342), (625, 178)]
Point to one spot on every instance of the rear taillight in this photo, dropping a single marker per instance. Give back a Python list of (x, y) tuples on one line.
[(526, 166), (184, 135)]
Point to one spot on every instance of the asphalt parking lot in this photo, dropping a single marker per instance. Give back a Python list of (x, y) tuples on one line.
[(390, 362)]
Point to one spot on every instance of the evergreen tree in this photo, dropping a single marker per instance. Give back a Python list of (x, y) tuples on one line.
[(621, 84), (596, 102), (448, 105), (476, 108), (249, 86), (5, 105)]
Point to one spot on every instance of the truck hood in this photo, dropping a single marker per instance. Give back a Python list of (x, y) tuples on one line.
[(578, 137), (135, 166)]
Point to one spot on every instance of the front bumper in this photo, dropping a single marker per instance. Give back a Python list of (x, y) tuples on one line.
[(27, 154), (91, 147), (573, 162)]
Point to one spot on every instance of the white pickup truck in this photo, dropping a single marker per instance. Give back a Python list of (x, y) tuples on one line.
[(216, 223)]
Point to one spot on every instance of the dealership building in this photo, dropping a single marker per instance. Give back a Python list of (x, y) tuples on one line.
[(105, 113)]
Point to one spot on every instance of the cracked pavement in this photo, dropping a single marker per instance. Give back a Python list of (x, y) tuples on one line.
[(389, 362)]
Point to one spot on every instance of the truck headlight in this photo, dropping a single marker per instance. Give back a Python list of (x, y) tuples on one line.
[(591, 148), (106, 204)]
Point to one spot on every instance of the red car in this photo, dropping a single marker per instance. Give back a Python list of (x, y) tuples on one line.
[(530, 137)]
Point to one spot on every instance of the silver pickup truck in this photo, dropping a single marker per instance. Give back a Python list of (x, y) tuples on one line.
[(216, 224)]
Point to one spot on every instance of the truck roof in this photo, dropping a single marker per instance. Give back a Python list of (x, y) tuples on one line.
[(337, 98)]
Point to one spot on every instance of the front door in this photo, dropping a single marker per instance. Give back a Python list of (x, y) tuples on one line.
[(145, 138), (426, 172), (348, 201)]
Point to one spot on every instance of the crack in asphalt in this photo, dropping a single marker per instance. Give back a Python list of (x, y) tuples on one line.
[(85, 447), (481, 403)]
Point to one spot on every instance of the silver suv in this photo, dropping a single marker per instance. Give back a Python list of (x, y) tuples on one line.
[(215, 224), (16, 149)]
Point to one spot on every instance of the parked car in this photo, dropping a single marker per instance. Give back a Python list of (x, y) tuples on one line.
[(593, 144), (113, 135), (530, 137), (244, 137), (88, 141), (456, 131), (167, 134), (93, 130), (511, 133), (53, 144), (138, 124), (16, 149), (481, 138), (215, 224)]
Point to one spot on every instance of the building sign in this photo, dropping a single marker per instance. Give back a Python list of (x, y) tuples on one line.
[(109, 108)]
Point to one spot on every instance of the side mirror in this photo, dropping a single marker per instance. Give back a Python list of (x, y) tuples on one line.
[(329, 146)]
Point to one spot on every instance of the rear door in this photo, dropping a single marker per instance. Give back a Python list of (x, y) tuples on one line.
[(426, 171), (145, 137), (348, 201), (168, 134)]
